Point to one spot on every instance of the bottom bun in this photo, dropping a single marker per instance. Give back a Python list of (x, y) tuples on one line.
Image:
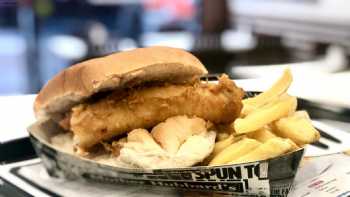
[(180, 141)]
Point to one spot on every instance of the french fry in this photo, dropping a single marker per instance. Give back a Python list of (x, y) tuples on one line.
[(221, 145), (280, 87), (262, 135), (234, 151), (266, 114), (302, 114), (268, 126), (294, 146), (247, 109), (271, 148), (239, 137), (297, 127)]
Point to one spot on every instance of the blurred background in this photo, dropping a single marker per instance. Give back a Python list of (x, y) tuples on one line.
[(243, 38)]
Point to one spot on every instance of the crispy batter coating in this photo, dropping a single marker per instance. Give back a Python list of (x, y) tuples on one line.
[(146, 107)]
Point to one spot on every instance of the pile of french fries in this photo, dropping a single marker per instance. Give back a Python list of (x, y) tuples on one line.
[(269, 126)]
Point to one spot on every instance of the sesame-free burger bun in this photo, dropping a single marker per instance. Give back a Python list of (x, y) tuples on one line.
[(118, 70)]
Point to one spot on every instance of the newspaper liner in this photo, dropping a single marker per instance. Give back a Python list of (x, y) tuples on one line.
[(268, 177)]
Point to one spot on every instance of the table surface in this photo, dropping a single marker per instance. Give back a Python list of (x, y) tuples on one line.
[(16, 113)]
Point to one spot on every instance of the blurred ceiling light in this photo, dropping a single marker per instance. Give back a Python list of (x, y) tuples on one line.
[(237, 40), (68, 47), (98, 34), (183, 40), (126, 44)]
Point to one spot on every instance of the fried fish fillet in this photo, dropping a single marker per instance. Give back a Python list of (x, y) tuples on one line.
[(146, 107)]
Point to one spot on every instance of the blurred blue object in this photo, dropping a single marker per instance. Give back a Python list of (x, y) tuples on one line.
[(57, 52), (13, 67)]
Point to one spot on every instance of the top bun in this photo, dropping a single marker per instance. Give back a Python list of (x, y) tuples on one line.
[(118, 70)]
